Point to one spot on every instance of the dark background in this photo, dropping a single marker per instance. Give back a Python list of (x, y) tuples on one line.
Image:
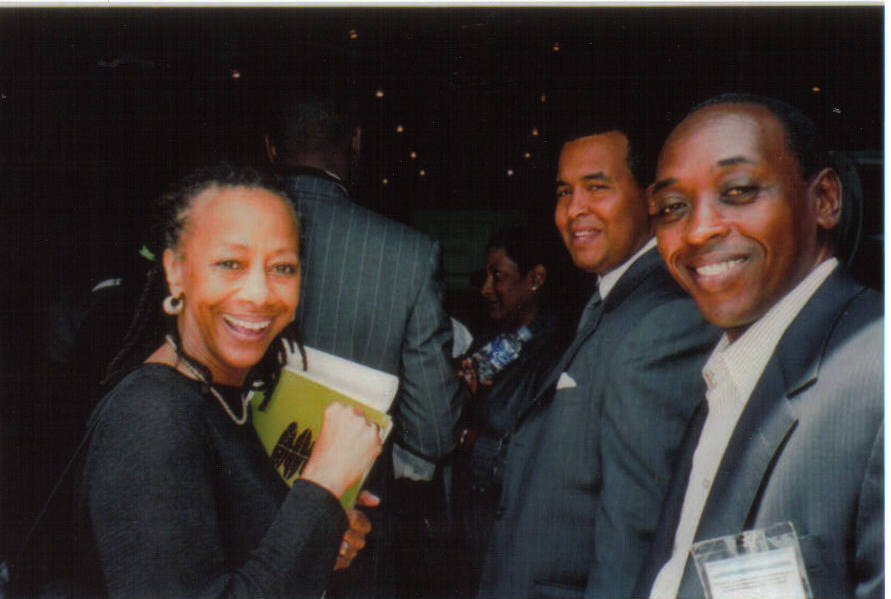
[(101, 108)]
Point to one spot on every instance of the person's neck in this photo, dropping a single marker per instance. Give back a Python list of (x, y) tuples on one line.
[(525, 318), (167, 354)]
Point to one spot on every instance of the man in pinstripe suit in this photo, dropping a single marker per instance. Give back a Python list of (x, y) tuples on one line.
[(791, 429), (371, 292)]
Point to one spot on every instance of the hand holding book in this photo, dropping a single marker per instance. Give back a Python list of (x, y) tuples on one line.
[(345, 449), (290, 421)]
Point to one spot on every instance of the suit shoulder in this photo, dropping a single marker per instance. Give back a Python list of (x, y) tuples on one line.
[(663, 297), (866, 306), (852, 363), (858, 338), (375, 222), (859, 323), (664, 320)]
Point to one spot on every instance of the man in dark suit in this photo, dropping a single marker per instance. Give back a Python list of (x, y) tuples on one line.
[(638, 336), (791, 430), (371, 291)]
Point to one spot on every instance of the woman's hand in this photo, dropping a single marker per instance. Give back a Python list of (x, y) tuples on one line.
[(468, 374), (346, 448), (354, 538)]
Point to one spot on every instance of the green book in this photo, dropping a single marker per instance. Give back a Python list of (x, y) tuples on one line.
[(288, 423)]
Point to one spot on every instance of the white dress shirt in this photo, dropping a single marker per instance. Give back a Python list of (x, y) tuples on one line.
[(731, 373)]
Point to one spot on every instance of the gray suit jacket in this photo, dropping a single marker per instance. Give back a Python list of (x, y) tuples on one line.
[(646, 341), (371, 292), (808, 449)]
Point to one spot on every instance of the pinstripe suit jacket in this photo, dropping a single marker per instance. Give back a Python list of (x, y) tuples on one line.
[(371, 292), (808, 448)]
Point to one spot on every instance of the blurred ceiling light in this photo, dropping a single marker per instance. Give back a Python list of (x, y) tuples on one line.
[(815, 89), (379, 93), (413, 155), (543, 98), (510, 172), (354, 34), (535, 131), (385, 180), (527, 155), (236, 74), (399, 128), (556, 47), (422, 173)]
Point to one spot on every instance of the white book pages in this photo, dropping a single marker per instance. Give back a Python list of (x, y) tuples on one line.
[(370, 386)]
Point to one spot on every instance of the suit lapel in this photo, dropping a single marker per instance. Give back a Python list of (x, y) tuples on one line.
[(636, 274), (592, 317), (764, 425), (801, 349), (663, 537), (768, 418)]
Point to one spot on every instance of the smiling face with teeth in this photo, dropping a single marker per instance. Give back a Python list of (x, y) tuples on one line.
[(238, 270), (735, 219), (601, 211)]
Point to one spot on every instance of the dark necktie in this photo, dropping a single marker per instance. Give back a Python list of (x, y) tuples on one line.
[(588, 313), (586, 321)]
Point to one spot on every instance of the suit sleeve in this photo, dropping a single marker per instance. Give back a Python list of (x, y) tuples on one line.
[(149, 490), (869, 552), (429, 404), (654, 386)]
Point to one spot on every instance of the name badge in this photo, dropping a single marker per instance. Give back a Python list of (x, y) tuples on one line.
[(755, 564)]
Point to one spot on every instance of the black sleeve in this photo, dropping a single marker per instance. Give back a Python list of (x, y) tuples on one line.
[(151, 507)]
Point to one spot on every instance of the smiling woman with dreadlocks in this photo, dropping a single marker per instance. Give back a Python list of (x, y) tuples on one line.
[(177, 495)]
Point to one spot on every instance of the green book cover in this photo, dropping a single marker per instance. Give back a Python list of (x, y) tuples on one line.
[(289, 423)]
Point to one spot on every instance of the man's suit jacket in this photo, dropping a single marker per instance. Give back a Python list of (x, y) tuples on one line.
[(371, 292), (646, 340), (808, 448)]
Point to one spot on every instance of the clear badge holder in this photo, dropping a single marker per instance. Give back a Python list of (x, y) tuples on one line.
[(755, 564)]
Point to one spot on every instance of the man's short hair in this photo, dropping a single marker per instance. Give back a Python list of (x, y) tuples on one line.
[(802, 137), (641, 161), (310, 122)]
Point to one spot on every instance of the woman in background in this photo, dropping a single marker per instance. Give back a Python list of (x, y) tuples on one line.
[(177, 495), (528, 335)]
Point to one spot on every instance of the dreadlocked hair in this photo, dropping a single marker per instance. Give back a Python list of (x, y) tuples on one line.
[(150, 325)]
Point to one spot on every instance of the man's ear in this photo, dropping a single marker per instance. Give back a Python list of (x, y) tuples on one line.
[(538, 274), (825, 192), (173, 271), (271, 153)]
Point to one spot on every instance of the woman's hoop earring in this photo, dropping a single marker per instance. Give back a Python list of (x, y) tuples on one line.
[(173, 305)]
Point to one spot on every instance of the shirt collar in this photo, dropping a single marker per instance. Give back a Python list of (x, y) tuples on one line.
[(606, 282), (744, 359)]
